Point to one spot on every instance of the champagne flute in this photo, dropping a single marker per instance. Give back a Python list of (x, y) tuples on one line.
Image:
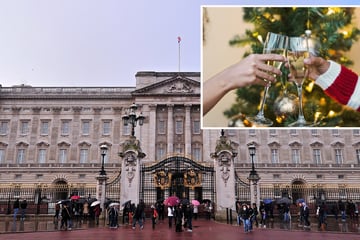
[(297, 52), (274, 43)]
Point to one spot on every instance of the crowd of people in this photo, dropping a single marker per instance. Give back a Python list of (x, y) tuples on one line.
[(181, 215), (250, 216)]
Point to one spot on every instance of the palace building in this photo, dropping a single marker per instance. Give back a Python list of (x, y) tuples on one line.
[(53, 136)]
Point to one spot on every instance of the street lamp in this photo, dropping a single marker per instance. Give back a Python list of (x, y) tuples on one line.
[(103, 149), (252, 151), (132, 118), (253, 178)]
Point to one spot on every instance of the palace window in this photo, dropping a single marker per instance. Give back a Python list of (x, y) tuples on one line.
[(63, 155), (4, 127), (24, 127), (126, 129), (293, 132), (84, 155), (252, 132), (356, 132), (196, 153), (274, 155), (338, 156), (106, 127), (20, 156), (179, 127), (42, 156), (44, 127), (317, 156), (272, 132), (161, 127), (65, 127), (196, 127), (335, 132), (2, 156), (160, 151), (358, 155), (295, 155), (85, 127), (314, 132)]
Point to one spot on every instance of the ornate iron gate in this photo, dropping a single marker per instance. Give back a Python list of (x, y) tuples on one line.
[(242, 189), (177, 175), (113, 188)]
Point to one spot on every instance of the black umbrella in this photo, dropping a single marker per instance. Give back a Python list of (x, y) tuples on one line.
[(185, 201), (206, 201), (284, 200), (125, 203)]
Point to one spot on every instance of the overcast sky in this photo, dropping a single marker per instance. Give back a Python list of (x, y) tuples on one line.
[(101, 42)]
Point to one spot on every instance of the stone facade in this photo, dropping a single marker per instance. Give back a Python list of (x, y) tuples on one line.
[(54, 134)]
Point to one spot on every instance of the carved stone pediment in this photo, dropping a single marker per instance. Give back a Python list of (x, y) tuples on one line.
[(176, 85)]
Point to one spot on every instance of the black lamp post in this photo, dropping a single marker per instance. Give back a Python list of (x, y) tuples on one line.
[(103, 149), (253, 174), (131, 118)]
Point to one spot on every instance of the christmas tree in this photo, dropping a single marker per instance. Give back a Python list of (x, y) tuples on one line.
[(332, 35)]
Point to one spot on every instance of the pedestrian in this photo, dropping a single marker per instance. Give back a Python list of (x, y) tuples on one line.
[(65, 218), (86, 210), (286, 211), (263, 216), (131, 213), (301, 215), (154, 216), (321, 214), (306, 213), (23, 207), (341, 205), (245, 216), (188, 215), (178, 218), (57, 211), (113, 217), (196, 211), (335, 211), (170, 215), (16, 207), (138, 216), (97, 212), (255, 214)]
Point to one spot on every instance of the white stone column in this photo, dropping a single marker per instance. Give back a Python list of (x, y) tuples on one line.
[(101, 192), (130, 178), (187, 130), (151, 151), (170, 129)]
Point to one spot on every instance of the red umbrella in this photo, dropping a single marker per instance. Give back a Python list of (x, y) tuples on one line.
[(195, 202), (75, 197), (172, 201)]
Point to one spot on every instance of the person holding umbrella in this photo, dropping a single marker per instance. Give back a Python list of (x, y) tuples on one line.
[(65, 218), (170, 215)]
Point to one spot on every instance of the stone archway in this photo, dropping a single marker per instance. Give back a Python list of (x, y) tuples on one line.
[(298, 189), (61, 189)]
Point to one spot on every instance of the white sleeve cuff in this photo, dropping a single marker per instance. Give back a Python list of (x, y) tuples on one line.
[(326, 79)]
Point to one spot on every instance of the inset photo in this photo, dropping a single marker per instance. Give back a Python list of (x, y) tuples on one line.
[(280, 67)]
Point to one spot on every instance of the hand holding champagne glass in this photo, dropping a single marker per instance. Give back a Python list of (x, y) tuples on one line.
[(298, 50), (274, 43)]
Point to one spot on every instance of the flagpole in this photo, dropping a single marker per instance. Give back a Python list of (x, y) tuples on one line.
[(179, 40)]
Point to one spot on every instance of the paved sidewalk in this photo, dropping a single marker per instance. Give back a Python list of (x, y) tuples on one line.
[(202, 230)]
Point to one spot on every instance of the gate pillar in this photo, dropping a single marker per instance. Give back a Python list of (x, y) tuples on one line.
[(225, 174), (131, 155)]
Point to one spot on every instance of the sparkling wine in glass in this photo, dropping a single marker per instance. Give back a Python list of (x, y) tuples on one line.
[(276, 44), (298, 50)]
